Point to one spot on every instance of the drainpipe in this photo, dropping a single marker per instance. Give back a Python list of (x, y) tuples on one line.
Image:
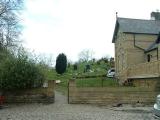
[(157, 54), (135, 43)]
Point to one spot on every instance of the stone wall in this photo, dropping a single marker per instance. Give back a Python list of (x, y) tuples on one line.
[(129, 50), (147, 82), (111, 95), (153, 55), (44, 94), (144, 70)]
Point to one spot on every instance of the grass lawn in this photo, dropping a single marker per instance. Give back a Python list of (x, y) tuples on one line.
[(86, 82)]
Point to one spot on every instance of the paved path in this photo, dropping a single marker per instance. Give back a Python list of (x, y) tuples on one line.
[(60, 110)]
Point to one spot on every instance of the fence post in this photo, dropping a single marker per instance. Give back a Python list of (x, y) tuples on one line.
[(71, 88), (51, 88)]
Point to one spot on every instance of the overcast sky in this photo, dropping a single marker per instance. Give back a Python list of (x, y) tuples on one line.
[(70, 26)]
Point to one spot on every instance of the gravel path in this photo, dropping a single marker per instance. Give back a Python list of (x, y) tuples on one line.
[(60, 110)]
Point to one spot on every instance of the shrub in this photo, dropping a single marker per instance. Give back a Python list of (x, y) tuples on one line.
[(20, 72), (75, 66), (61, 63)]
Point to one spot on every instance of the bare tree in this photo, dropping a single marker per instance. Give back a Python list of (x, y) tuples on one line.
[(9, 22), (86, 55)]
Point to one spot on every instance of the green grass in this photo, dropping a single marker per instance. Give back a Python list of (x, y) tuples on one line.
[(88, 82), (101, 69), (70, 73)]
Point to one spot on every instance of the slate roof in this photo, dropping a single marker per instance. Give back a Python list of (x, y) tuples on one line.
[(139, 26)]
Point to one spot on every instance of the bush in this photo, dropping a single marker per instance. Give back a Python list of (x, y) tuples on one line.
[(61, 63), (20, 72), (75, 66)]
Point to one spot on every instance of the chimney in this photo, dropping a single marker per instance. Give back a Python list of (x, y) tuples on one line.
[(155, 15)]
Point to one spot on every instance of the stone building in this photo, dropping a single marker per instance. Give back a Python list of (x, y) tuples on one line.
[(137, 49)]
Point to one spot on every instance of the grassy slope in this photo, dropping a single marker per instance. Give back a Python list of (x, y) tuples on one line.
[(87, 82), (70, 73)]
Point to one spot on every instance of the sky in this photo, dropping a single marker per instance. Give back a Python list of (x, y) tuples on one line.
[(71, 26)]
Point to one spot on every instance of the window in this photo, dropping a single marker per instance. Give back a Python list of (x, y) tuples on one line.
[(112, 70), (148, 57)]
